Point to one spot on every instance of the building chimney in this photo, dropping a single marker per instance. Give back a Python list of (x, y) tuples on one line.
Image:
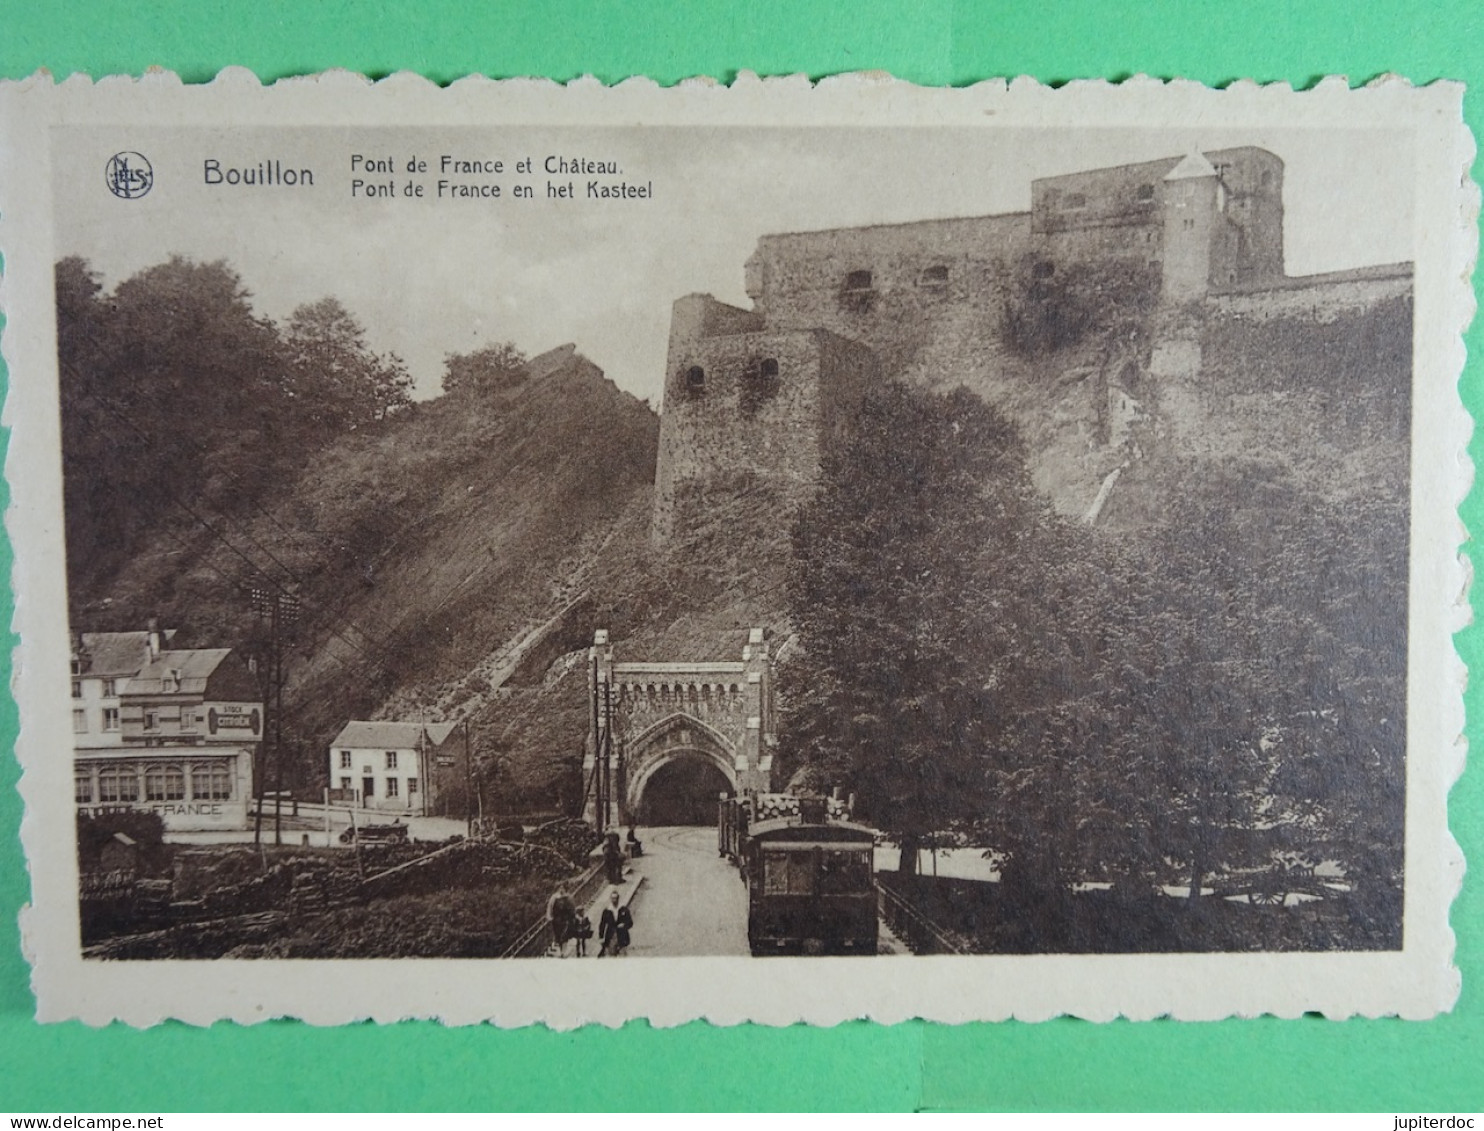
[(153, 637)]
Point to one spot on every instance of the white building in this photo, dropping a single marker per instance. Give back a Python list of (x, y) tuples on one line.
[(389, 766), (102, 662), (169, 731)]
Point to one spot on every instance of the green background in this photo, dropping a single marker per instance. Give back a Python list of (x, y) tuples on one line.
[(1384, 1065)]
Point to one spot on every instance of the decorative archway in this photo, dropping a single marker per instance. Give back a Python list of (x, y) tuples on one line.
[(678, 737), (645, 716)]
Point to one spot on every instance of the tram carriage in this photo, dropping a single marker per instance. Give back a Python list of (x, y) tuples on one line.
[(810, 882)]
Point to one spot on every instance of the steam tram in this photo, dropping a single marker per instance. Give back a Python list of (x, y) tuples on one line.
[(810, 884)]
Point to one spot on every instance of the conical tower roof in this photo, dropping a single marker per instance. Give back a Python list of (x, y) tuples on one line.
[(1193, 164)]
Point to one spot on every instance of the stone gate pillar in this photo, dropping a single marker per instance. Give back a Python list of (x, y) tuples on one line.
[(599, 676), (755, 758)]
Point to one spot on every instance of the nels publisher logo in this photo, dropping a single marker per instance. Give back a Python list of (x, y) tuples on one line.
[(129, 175)]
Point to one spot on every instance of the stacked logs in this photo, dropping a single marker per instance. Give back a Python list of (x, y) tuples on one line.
[(774, 806)]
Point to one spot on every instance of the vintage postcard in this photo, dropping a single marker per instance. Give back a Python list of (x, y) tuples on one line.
[(779, 552)]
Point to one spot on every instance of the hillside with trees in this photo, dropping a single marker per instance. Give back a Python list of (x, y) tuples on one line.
[(209, 452)]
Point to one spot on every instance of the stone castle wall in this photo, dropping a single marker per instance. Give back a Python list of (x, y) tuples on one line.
[(1321, 392), (764, 404), (1322, 298), (891, 287), (926, 302)]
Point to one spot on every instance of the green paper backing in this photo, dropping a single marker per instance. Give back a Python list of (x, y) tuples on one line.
[(1265, 1064)]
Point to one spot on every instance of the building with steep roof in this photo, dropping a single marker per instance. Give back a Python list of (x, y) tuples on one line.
[(170, 731), (189, 695), (393, 766), (102, 662)]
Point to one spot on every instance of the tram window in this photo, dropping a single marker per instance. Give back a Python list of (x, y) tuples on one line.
[(800, 873), (842, 873), (775, 873), (788, 873)]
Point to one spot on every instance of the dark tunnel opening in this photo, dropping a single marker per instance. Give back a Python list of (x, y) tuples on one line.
[(683, 792)]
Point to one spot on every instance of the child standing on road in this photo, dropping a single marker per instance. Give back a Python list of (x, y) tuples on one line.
[(584, 932)]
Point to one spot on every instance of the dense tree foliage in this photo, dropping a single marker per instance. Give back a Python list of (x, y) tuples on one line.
[(173, 394), (1166, 710), (1273, 640), (181, 404), (338, 379), (915, 607)]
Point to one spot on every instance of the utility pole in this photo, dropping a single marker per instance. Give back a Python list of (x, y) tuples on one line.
[(282, 612), (260, 770), (599, 800), (479, 796), (622, 787), (468, 784), (605, 747)]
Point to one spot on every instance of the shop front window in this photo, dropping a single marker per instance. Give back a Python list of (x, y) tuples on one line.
[(164, 783), (118, 784), (211, 781)]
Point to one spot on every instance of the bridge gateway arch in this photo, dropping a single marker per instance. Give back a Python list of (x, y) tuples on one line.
[(664, 739)]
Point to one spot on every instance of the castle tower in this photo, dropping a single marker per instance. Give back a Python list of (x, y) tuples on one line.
[(748, 408), (1223, 222), (1192, 205)]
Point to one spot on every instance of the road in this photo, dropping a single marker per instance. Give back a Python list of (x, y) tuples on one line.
[(692, 901), (309, 827)]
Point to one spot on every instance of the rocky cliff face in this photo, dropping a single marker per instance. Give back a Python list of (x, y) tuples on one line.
[(430, 552)]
